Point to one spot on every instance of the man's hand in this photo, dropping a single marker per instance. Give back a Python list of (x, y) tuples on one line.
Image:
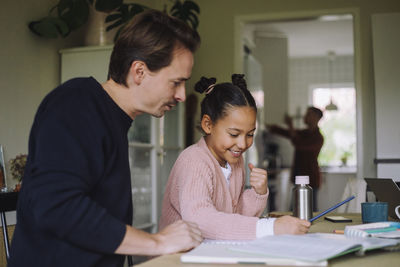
[(291, 225), (288, 120), (177, 237), (271, 127), (258, 179)]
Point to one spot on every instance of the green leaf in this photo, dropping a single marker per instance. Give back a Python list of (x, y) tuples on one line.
[(190, 5), (114, 25), (193, 19), (74, 12), (49, 27), (124, 14), (176, 9), (135, 9), (112, 17), (107, 5), (186, 12)]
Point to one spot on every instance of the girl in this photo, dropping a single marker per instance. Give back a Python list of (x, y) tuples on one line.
[(206, 184)]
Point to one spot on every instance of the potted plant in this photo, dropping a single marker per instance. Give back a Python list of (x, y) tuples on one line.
[(69, 15), (345, 156), (17, 168), (186, 11)]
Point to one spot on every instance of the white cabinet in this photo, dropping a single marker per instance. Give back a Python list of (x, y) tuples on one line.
[(154, 144), (85, 61)]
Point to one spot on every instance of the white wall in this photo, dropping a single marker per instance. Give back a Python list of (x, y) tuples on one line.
[(272, 54), (29, 68), (386, 42), (303, 73)]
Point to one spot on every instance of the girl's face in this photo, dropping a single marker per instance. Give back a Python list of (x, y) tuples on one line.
[(231, 135)]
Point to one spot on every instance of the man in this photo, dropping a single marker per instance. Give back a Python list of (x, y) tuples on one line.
[(307, 143), (75, 206)]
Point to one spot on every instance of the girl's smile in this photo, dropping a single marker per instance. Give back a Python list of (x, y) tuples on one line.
[(230, 136)]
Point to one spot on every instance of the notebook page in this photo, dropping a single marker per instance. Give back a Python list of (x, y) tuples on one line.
[(217, 251), (311, 247), (226, 242), (370, 243)]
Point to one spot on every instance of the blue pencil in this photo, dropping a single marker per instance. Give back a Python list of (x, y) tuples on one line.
[(332, 208)]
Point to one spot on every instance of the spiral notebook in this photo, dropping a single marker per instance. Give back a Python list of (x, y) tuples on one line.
[(379, 229)]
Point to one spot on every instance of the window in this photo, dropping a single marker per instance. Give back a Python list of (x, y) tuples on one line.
[(337, 126)]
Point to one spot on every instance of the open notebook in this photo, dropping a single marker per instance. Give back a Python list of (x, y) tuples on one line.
[(310, 249), (227, 252)]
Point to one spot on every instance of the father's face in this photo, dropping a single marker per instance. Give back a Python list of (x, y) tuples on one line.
[(166, 87)]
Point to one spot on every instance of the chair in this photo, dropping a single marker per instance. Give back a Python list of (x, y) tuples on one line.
[(358, 188), (8, 202)]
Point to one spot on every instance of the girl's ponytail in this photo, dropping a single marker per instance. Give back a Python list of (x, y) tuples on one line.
[(205, 85), (239, 81), (223, 96)]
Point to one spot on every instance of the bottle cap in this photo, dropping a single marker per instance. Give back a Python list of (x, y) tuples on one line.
[(302, 180)]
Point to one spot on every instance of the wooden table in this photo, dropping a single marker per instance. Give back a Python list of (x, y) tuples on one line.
[(374, 258)]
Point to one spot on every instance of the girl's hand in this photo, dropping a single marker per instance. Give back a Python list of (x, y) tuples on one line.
[(258, 179), (291, 225)]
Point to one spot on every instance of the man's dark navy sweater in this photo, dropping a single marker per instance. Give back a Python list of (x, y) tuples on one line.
[(76, 197)]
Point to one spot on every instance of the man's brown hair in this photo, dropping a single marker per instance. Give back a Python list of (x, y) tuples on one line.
[(317, 111), (151, 37)]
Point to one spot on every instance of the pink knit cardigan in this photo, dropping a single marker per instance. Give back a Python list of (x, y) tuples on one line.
[(197, 191)]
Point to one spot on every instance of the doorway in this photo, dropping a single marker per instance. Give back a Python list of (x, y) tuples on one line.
[(294, 54)]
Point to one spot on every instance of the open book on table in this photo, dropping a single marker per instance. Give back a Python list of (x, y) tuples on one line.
[(224, 252), (310, 249)]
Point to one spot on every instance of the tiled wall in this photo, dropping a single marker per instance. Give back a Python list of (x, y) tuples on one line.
[(306, 72), (303, 74)]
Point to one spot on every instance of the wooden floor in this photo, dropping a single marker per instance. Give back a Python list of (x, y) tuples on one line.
[(3, 262)]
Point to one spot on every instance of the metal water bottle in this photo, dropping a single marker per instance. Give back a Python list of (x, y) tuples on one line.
[(302, 198)]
